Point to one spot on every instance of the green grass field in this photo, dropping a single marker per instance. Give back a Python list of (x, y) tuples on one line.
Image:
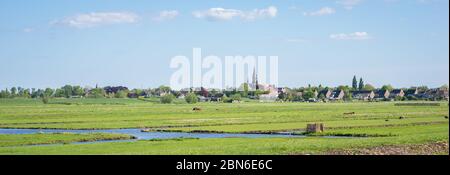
[(420, 124), (56, 138)]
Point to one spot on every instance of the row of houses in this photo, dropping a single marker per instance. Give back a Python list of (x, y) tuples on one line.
[(364, 95), (432, 94), (273, 94)]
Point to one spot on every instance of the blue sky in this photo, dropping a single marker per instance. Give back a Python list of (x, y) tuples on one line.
[(50, 43)]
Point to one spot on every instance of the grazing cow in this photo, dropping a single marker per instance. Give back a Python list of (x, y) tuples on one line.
[(350, 113), (196, 109)]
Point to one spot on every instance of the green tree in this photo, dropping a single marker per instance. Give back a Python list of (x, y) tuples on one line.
[(236, 97), (290, 97), (344, 88), (48, 92), (163, 89), (354, 83), (225, 99), (399, 98), (308, 94), (20, 91), (361, 84), (45, 100), (138, 92), (25, 93), (282, 96), (191, 98), (37, 93), (387, 88), (322, 96), (77, 91), (320, 88), (121, 94), (13, 92), (97, 93), (5, 94), (298, 97), (245, 92), (369, 87), (347, 95), (423, 88), (67, 91), (59, 92), (166, 99)]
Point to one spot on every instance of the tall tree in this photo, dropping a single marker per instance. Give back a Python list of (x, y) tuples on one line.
[(347, 95), (59, 92), (355, 83), (308, 94), (68, 91), (13, 92), (361, 84), (164, 89), (5, 93), (245, 92), (77, 91), (368, 87), (25, 93), (48, 92), (97, 93), (387, 87)]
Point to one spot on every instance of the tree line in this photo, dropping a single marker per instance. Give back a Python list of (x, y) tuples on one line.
[(191, 96)]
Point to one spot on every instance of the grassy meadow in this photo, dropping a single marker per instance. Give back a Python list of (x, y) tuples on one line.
[(56, 138), (375, 124)]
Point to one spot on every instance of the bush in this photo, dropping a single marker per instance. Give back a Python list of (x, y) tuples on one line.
[(236, 97), (399, 98), (191, 98), (45, 100), (97, 93), (121, 94), (167, 99), (225, 99), (412, 98)]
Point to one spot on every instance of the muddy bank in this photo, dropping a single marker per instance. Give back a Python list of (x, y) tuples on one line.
[(287, 132), (297, 131), (434, 148)]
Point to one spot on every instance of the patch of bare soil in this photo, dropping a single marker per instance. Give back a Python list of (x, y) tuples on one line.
[(434, 148)]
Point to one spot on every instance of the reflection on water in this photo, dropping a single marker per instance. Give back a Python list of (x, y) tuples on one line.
[(146, 135)]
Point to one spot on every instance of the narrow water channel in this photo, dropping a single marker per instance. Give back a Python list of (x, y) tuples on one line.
[(147, 135)]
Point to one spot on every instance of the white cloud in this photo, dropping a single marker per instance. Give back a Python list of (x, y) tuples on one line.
[(221, 14), (351, 36), (349, 4), (166, 15), (321, 12), (96, 19)]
